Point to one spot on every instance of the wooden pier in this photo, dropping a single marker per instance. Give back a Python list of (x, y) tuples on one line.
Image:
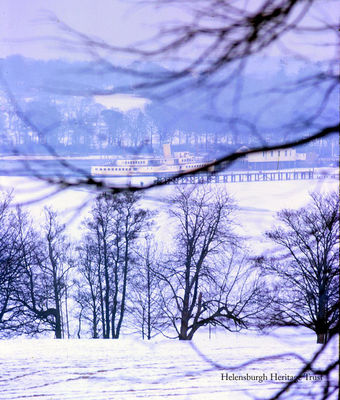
[(242, 176)]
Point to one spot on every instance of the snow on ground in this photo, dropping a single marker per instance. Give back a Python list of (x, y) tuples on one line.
[(130, 368)]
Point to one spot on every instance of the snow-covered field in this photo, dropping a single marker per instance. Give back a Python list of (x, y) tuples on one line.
[(130, 368)]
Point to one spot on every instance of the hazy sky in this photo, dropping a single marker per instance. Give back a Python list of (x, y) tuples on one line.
[(23, 24), (112, 20)]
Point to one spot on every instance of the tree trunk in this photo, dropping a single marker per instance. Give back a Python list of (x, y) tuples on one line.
[(149, 301), (101, 300), (66, 312), (183, 333), (115, 297), (58, 330), (321, 338), (107, 292), (125, 273)]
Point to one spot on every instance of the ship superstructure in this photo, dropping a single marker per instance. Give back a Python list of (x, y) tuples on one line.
[(169, 164)]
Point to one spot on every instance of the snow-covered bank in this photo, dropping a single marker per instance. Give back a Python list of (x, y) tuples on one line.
[(132, 369)]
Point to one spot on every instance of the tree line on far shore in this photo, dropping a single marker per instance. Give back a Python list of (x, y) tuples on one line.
[(122, 277)]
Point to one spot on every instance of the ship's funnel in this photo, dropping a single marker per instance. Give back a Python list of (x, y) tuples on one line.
[(167, 150)]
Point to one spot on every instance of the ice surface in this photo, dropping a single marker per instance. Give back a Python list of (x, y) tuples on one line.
[(257, 201)]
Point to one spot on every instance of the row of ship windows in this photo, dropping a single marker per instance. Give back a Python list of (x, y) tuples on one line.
[(272, 153), (115, 169), (186, 160), (135, 169), (134, 162)]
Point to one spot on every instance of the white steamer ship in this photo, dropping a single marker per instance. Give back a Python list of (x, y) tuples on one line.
[(180, 162)]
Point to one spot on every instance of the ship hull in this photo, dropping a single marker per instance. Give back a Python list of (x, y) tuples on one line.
[(116, 171)]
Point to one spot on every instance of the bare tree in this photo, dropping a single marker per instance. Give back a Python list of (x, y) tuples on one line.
[(88, 287), (10, 266), (112, 233), (205, 284), (45, 269), (307, 269), (145, 300)]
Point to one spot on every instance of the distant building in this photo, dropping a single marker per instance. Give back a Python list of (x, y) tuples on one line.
[(274, 159)]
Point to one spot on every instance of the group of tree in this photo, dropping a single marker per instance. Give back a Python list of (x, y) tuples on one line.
[(119, 276), (194, 282), (34, 272), (306, 267), (31, 119)]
